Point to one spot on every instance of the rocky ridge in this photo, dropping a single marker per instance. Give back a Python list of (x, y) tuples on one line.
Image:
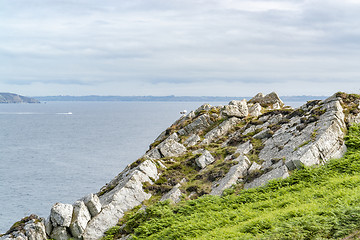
[(15, 98), (243, 144)]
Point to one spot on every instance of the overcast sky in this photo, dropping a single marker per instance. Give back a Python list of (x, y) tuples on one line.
[(180, 47)]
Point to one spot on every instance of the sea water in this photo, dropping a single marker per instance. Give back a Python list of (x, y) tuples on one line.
[(62, 151)]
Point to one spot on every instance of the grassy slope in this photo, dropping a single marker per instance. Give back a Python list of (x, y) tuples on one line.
[(313, 203)]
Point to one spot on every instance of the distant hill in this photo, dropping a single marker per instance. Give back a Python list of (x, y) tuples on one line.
[(170, 98), (15, 98)]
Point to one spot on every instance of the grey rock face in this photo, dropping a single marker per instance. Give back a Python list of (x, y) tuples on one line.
[(34, 229), (192, 140), (220, 130), (81, 216), (174, 195), (171, 148), (205, 159), (254, 167), (268, 100), (281, 172), (127, 194), (255, 110), (60, 233), (237, 171), (236, 109), (61, 214), (200, 123), (93, 204)]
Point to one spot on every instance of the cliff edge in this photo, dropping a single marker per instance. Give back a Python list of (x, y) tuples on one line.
[(243, 144), (15, 98)]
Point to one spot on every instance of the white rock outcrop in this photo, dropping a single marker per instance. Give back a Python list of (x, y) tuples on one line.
[(81, 217), (205, 159), (61, 214)]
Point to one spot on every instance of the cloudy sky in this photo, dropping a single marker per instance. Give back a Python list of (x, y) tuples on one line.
[(180, 47)]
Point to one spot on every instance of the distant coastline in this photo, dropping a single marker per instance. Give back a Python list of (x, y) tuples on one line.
[(170, 98)]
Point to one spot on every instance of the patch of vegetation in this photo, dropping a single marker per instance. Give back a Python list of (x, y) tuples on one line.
[(350, 102), (312, 203)]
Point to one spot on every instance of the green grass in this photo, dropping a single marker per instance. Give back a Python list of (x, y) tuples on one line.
[(313, 203)]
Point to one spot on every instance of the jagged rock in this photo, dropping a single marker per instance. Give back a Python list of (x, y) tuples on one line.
[(61, 214), (168, 148), (171, 148), (192, 140), (35, 230), (237, 171), (270, 100), (205, 159), (220, 130), (200, 123), (127, 193), (161, 164), (236, 109), (81, 216), (255, 110), (204, 107), (93, 204), (48, 226), (174, 195), (60, 233), (244, 148), (254, 167), (281, 172), (266, 133), (28, 228), (317, 142)]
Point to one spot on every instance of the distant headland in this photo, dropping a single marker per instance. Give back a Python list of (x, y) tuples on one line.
[(15, 98)]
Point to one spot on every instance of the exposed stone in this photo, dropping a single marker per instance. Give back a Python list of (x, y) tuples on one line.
[(237, 171), (48, 226), (93, 204), (60, 233), (270, 100), (220, 130), (174, 195), (244, 148), (204, 107), (35, 230), (255, 110), (254, 167), (192, 140), (127, 194), (81, 216), (200, 123), (171, 148), (205, 159), (61, 214), (281, 172), (266, 133), (236, 109)]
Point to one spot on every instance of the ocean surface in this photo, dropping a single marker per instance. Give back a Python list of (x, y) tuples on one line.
[(62, 151)]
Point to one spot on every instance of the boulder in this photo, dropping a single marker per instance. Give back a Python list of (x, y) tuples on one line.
[(281, 172), (244, 148), (35, 230), (171, 148), (204, 107), (61, 214), (220, 130), (205, 159), (174, 195), (192, 140), (255, 110), (236, 109), (93, 204), (270, 100), (237, 171), (254, 167), (48, 226), (81, 216), (200, 123), (60, 233)]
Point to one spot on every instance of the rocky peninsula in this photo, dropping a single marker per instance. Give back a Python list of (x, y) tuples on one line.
[(242, 145), (15, 98)]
